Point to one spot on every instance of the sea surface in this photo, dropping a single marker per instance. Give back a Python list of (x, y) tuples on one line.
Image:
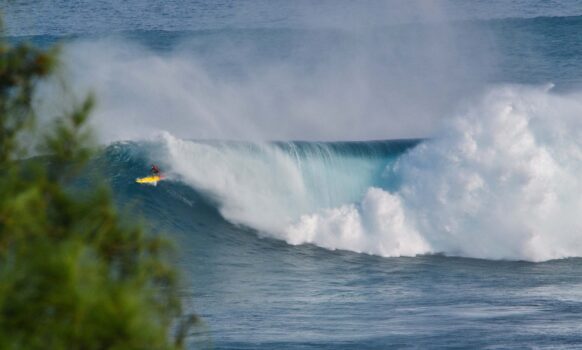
[(343, 174)]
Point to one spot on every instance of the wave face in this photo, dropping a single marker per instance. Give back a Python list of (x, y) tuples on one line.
[(498, 182), (270, 185)]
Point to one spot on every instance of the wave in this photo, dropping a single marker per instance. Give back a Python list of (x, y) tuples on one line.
[(269, 185), (499, 181)]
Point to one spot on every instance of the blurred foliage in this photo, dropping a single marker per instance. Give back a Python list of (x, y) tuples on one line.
[(73, 275)]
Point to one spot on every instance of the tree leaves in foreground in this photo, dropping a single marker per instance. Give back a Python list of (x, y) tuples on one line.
[(73, 275)]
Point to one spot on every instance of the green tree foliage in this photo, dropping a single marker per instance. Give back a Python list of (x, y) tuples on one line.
[(73, 275)]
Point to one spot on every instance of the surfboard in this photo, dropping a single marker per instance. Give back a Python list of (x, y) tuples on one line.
[(149, 179)]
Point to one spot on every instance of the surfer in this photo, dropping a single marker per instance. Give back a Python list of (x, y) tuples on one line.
[(155, 176), (155, 170)]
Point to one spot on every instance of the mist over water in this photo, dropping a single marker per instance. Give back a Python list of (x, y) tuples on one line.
[(352, 78), (358, 73)]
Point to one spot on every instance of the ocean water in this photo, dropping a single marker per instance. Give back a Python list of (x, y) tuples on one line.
[(344, 175)]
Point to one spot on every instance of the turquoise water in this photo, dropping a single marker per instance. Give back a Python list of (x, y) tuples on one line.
[(461, 230)]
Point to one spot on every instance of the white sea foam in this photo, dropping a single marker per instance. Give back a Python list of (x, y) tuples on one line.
[(498, 182), (377, 226)]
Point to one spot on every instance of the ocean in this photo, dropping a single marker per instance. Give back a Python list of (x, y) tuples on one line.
[(342, 174)]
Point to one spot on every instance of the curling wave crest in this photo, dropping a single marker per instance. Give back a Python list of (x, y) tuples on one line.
[(499, 181)]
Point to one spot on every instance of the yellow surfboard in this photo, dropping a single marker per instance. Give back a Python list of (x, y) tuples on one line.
[(149, 179)]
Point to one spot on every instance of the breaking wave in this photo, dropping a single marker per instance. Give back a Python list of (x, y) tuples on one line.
[(499, 181)]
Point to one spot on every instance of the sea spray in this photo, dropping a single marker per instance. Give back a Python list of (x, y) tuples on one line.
[(348, 83)]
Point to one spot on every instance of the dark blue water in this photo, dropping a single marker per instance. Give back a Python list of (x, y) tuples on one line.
[(357, 71)]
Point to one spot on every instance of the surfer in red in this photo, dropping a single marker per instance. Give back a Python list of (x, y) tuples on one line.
[(155, 170)]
